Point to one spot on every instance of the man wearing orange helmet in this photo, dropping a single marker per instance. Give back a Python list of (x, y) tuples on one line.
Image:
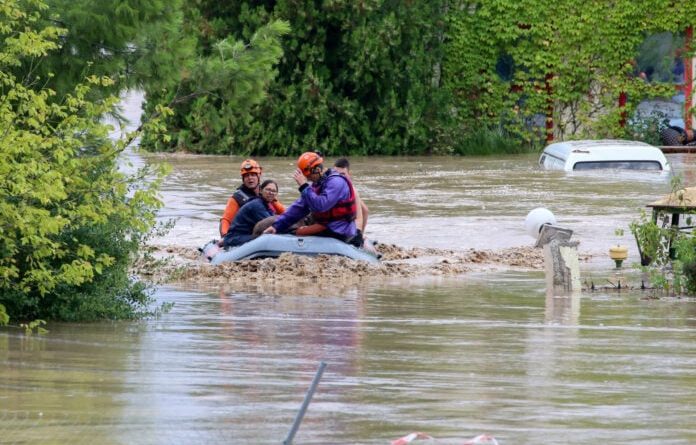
[(251, 173), (330, 199)]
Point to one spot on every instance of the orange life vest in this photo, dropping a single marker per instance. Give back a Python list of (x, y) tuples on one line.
[(344, 210)]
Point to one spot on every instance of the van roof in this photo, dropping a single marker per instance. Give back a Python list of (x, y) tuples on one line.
[(605, 150)]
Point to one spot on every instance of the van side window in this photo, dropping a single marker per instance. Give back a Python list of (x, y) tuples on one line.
[(627, 165)]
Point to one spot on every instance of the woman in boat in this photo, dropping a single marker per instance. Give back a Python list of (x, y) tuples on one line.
[(256, 209)]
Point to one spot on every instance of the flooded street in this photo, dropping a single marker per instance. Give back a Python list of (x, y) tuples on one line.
[(436, 202), (454, 357)]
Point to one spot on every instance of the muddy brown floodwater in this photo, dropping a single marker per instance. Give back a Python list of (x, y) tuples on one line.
[(430, 216), (453, 335), (181, 265)]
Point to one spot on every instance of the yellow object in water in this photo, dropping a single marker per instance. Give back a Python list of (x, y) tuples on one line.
[(618, 253)]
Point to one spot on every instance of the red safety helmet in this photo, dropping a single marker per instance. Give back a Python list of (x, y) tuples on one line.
[(308, 161), (250, 166)]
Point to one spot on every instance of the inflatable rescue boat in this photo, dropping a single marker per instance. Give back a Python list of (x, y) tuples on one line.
[(274, 245)]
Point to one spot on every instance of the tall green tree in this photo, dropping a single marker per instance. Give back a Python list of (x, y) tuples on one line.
[(131, 41), (215, 93), (70, 221), (379, 76), (355, 77)]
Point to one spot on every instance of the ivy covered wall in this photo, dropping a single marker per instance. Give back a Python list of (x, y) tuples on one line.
[(416, 77)]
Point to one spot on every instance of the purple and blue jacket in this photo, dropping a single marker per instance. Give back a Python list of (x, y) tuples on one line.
[(323, 196)]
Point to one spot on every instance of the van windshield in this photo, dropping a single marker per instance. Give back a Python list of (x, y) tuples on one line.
[(625, 165)]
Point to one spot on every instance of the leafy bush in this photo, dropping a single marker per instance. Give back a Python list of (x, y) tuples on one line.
[(667, 253), (647, 128), (70, 221), (489, 141), (4, 318), (651, 240), (685, 264)]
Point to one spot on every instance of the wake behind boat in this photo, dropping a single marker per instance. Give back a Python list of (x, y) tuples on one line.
[(274, 245)]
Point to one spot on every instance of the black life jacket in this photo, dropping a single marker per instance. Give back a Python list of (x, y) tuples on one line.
[(344, 210), (242, 195)]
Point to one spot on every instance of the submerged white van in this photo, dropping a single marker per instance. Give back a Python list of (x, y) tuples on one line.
[(603, 153)]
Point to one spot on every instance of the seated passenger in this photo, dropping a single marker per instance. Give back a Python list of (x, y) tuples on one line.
[(342, 166), (256, 209), (251, 176), (329, 199)]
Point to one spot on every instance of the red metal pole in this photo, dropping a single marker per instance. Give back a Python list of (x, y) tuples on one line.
[(688, 77), (549, 108), (622, 105)]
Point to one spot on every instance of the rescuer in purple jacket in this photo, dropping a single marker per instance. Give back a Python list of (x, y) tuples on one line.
[(330, 199)]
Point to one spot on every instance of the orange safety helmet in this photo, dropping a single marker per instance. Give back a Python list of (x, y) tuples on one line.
[(308, 160), (250, 166)]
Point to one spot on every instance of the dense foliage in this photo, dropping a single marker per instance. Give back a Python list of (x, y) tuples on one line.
[(512, 62), (120, 39), (359, 77), (416, 77), (213, 96), (70, 222)]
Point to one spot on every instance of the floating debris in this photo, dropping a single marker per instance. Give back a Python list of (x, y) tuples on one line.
[(180, 264), (481, 439)]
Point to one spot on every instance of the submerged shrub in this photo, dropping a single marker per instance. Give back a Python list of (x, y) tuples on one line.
[(668, 253), (685, 252), (647, 128), (488, 141)]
